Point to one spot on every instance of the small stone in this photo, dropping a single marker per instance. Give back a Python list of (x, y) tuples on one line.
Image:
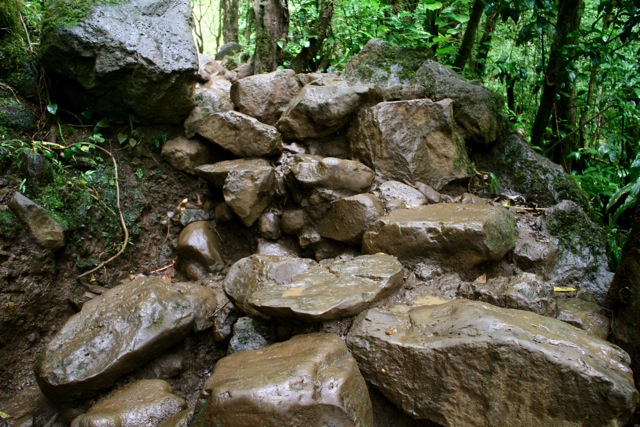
[(46, 230), (269, 226), (199, 245), (292, 221)]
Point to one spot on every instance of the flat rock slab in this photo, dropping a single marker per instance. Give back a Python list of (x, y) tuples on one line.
[(144, 403), (471, 363), (116, 333), (331, 291), (458, 235), (309, 380)]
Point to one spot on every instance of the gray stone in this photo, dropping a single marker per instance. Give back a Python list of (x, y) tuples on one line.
[(250, 273), (397, 191), (524, 291), (535, 252), (329, 291), (46, 230), (385, 64), (348, 218), (143, 403), (199, 251), (332, 173), (249, 334), (211, 97), (248, 192), (586, 315), (186, 154), (269, 225), (476, 109), (240, 134), (265, 96), (322, 108), (308, 236), (429, 192), (308, 380), (456, 235), (134, 57), (411, 140), (225, 314), (216, 174), (228, 49), (284, 247), (112, 335), (292, 221), (470, 363)]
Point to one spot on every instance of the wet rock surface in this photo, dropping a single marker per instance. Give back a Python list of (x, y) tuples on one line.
[(473, 363), (145, 403), (308, 380), (348, 218), (46, 230), (199, 251)]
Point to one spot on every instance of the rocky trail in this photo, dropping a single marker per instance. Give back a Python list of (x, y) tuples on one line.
[(343, 257)]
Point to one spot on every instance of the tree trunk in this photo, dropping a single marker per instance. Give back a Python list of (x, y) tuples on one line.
[(564, 126), (569, 14), (306, 60), (230, 24), (484, 45), (272, 26), (464, 53)]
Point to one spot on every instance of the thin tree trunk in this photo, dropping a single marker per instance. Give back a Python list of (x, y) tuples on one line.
[(272, 26), (230, 24), (569, 14), (484, 45), (306, 59), (464, 53)]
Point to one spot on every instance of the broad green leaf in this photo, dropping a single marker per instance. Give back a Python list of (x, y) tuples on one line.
[(434, 6), (122, 138), (52, 109), (104, 123)]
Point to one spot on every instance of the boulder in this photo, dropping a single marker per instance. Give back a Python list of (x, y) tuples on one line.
[(384, 64), (250, 273), (411, 140), (143, 403), (329, 291), (586, 315), (348, 218), (132, 58), (265, 96), (535, 252), (226, 313), (46, 230), (331, 173), (455, 235), (471, 363), (409, 196), (323, 108), (582, 261), (114, 334), (186, 154), (308, 380), (15, 114), (283, 247), (521, 171), (211, 97), (199, 251), (524, 291), (476, 109), (216, 174), (241, 135)]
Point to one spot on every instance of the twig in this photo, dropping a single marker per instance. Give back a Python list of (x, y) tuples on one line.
[(26, 32), (163, 268)]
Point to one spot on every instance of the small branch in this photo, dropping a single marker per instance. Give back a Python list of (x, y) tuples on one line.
[(163, 268)]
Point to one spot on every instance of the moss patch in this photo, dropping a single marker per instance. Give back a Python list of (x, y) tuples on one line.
[(67, 13)]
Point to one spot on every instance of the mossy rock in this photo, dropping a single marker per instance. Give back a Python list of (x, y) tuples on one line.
[(68, 13), (15, 114), (385, 64)]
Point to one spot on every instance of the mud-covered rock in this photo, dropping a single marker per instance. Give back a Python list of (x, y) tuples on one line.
[(476, 109), (186, 154), (216, 173), (308, 380), (248, 192), (112, 335), (46, 230), (143, 403), (240, 134), (413, 140), (211, 97), (332, 173), (348, 218), (586, 315), (524, 291), (199, 251), (265, 96), (323, 108), (340, 289), (456, 235), (391, 191), (131, 57), (471, 363)]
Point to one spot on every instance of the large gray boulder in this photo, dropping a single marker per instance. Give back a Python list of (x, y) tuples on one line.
[(265, 96), (132, 58), (469, 363), (323, 108), (476, 109), (413, 140), (118, 332), (143, 403), (309, 380), (456, 235)]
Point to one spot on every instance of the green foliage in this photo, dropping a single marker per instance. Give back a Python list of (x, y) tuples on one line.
[(65, 13)]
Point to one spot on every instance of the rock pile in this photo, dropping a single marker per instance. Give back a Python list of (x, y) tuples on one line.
[(365, 231)]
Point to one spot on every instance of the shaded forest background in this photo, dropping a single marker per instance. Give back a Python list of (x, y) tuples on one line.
[(567, 69)]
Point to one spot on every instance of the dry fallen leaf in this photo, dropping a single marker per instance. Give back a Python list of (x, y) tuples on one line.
[(481, 279), (391, 331), (563, 289)]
